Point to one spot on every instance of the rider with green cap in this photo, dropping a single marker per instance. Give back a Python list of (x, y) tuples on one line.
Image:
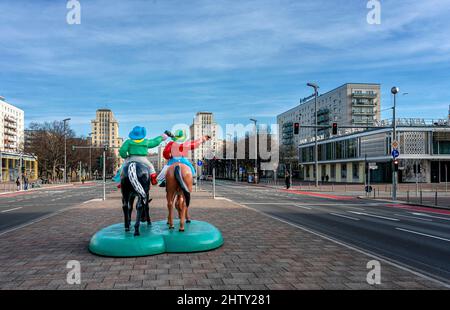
[(177, 150)]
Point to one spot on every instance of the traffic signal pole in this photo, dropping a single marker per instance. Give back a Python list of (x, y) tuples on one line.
[(104, 174), (105, 148)]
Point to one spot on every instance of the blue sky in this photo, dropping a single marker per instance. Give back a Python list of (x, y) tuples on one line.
[(155, 63)]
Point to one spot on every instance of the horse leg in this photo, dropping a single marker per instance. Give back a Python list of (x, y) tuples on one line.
[(138, 216), (181, 212), (125, 213), (147, 212), (170, 198)]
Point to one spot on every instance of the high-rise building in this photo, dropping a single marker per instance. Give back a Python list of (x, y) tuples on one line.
[(11, 127), (13, 162), (202, 125), (355, 104), (105, 130)]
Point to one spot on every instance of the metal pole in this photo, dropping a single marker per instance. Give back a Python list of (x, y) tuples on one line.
[(316, 152), (445, 177), (104, 175), (368, 180), (65, 153), (237, 169), (20, 171), (80, 172), (65, 149), (394, 91), (417, 178), (214, 182)]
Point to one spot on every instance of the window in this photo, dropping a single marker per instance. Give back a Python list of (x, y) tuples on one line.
[(343, 171), (333, 171), (355, 170)]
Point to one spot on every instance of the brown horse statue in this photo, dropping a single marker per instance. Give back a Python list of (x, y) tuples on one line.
[(178, 192)]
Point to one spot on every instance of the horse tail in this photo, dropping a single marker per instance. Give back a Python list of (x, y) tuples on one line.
[(182, 184), (132, 176)]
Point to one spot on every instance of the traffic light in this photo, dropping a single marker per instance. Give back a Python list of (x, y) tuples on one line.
[(100, 162), (335, 128), (296, 128), (395, 164)]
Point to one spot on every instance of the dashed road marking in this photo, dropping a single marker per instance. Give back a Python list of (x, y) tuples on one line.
[(422, 234)]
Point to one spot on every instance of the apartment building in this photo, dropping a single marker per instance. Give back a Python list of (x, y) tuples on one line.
[(13, 162), (204, 124), (105, 130), (11, 127)]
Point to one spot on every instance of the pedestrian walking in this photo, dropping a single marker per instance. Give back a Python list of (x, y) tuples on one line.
[(18, 183), (25, 183), (327, 178), (287, 178)]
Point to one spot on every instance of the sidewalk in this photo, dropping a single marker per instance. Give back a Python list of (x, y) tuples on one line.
[(259, 253), (46, 187)]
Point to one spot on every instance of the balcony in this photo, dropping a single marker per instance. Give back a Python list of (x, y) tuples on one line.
[(364, 95), (370, 113)]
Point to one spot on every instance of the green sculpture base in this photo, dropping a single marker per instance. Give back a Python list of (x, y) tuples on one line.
[(155, 239)]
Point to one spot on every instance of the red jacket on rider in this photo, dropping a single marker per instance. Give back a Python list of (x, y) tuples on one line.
[(174, 149)]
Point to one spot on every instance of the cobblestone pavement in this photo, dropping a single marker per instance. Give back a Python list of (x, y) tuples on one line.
[(259, 253)]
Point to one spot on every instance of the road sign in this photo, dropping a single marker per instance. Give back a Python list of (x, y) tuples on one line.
[(395, 153), (373, 167), (199, 163), (394, 144)]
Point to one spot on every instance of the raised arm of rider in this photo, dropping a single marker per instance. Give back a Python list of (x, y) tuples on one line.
[(123, 151), (154, 142)]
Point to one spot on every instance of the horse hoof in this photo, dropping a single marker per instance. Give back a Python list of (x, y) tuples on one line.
[(171, 227), (188, 221), (127, 229), (136, 233), (181, 230)]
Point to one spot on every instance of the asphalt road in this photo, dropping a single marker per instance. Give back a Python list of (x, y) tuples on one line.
[(20, 208), (413, 237)]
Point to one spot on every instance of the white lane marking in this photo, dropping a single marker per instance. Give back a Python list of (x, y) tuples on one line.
[(354, 248), (373, 215), (303, 207), (422, 234), (414, 217), (347, 217), (93, 200), (4, 211), (427, 215)]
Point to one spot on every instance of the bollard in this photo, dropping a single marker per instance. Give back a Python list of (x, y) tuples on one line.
[(435, 199), (373, 194), (407, 196), (421, 196)]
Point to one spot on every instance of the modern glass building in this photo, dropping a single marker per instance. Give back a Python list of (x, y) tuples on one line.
[(424, 154)]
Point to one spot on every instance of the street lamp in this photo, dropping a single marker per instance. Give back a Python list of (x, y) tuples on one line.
[(316, 163), (236, 169), (256, 147), (65, 149), (394, 91), (90, 155)]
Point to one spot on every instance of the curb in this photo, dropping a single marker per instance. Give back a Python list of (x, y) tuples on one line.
[(406, 203)]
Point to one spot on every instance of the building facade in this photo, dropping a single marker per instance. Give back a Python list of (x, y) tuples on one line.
[(13, 162), (105, 131), (204, 124), (12, 121), (355, 104), (424, 155)]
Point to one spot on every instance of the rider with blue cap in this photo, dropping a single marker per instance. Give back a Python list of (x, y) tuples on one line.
[(135, 149)]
